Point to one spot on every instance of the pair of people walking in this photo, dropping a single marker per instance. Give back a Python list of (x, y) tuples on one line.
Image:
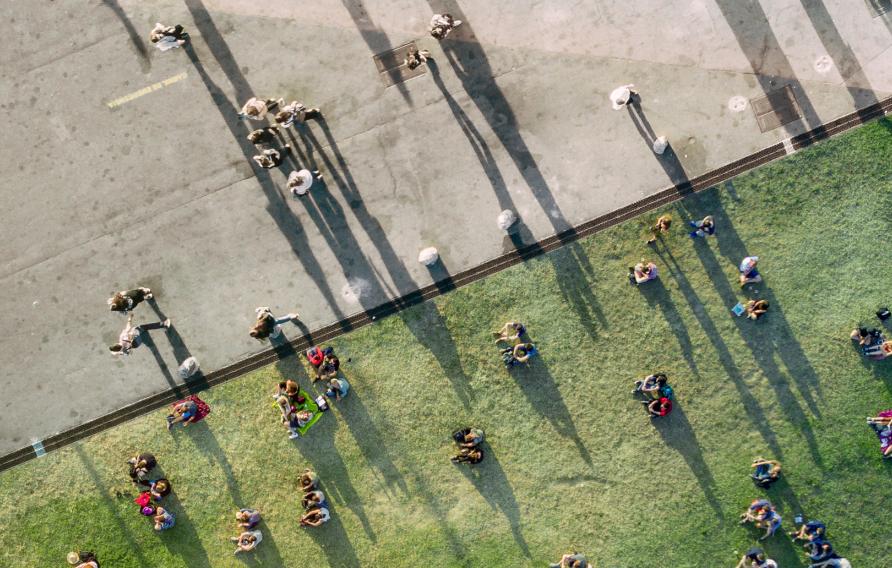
[(131, 337)]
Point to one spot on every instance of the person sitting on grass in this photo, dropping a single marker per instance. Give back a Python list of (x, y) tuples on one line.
[(703, 228), (643, 272), (756, 308), (518, 354), (809, 531), (247, 518), (872, 343), (661, 226), (314, 498), (337, 388), (308, 481), (329, 367), (882, 426), (83, 559), (163, 519), (469, 455), (185, 412), (289, 415), (574, 560), (651, 385), (755, 558), (159, 489), (748, 272), (765, 471), (819, 550), (247, 541), (658, 407), (140, 467), (315, 517), (763, 515), (288, 389), (468, 437), (510, 332)]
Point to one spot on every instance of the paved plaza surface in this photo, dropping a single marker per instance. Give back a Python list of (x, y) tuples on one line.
[(128, 167)]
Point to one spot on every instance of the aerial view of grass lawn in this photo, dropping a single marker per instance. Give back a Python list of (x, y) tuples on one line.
[(573, 462)]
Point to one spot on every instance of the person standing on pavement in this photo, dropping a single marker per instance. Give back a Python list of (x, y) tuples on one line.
[(300, 182), (130, 337), (296, 112), (269, 326), (126, 300), (256, 109), (443, 24), (263, 136), (622, 96)]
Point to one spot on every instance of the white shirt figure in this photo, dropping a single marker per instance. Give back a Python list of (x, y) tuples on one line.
[(300, 182), (254, 109), (621, 96)]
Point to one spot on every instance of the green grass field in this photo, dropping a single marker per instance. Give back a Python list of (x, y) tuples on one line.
[(573, 461)]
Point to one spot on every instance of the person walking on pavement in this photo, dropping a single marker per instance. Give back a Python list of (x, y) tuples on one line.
[(295, 112), (443, 24), (269, 326), (130, 337), (300, 182), (622, 96), (270, 158), (168, 37), (416, 58), (263, 136), (256, 109), (126, 300)]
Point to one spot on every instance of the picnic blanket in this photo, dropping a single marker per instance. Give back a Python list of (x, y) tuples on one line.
[(203, 408), (309, 404)]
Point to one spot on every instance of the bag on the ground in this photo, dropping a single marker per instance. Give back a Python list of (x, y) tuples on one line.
[(884, 314), (321, 403), (188, 367)]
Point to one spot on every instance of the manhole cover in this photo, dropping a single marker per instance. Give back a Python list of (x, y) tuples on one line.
[(879, 7), (776, 109), (391, 68)]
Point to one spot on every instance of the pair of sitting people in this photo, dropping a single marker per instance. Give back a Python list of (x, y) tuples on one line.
[(518, 354), (765, 472), (250, 535), (313, 500), (763, 515), (141, 466), (324, 362), (755, 309), (643, 272), (872, 343), (161, 517), (881, 424), (755, 558), (83, 559), (818, 549), (468, 441), (657, 392)]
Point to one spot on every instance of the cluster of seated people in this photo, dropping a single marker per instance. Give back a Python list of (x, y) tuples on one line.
[(765, 472), (872, 343), (657, 394), (293, 406), (519, 351), (314, 503), (469, 441), (249, 535), (154, 490), (755, 558), (325, 363), (818, 549), (643, 272), (763, 515), (755, 309), (881, 424)]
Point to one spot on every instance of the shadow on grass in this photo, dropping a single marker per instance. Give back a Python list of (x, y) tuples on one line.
[(541, 390), (656, 294), (575, 275), (112, 507), (332, 538), (206, 442), (429, 328), (766, 338), (751, 405), (678, 434), (491, 482)]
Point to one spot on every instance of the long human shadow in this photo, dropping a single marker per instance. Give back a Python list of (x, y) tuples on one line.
[(762, 49), (656, 294), (471, 66), (678, 434), (193, 384), (761, 341), (332, 538), (575, 274), (753, 409), (182, 538), (376, 39), (204, 439), (101, 488), (277, 205), (540, 388), (143, 54), (491, 482), (429, 328), (668, 160), (843, 57)]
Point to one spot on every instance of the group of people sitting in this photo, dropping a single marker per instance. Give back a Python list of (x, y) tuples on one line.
[(313, 500), (152, 490), (872, 343), (818, 549), (168, 37), (763, 515), (469, 442), (518, 351), (657, 394), (571, 560), (249, 535), (643, 272), (293, 405)]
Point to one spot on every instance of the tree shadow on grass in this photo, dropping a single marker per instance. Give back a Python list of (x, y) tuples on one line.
[(678, 434), (575, 274), (491, 482), (656, 294), (541, 390), (429, 328), (751, 405), (112, 507)]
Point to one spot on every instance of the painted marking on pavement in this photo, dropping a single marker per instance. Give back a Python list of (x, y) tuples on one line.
[(39, 450), (788, 146), (146, 90)]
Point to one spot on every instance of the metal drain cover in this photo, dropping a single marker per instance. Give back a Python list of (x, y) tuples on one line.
[(390, 65), (776, 109)]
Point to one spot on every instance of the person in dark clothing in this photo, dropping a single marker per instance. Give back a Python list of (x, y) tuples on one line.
[(263, 136), (140, 467), (469, 455), (126, 300)]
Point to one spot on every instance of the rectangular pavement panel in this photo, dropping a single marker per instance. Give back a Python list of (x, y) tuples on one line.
[(390, 65), (776, 109)]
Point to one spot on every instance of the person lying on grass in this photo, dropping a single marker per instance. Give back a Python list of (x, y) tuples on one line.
[(650, 385), (756, 308), (755, 558), (469, 456), (314, 498), (247, 541), (872, 343), (510, 332), (308, 481), (575, 560), (643, 272), (315, 517), (765, 471)]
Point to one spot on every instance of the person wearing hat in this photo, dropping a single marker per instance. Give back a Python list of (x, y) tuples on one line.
[(748, 272), (755, 558), (301, 181)]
